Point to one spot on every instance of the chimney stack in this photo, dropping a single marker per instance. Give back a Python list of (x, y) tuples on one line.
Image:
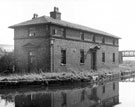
[(55, 14), (35, 16)]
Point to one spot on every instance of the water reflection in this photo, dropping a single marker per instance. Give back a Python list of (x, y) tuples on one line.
[(105, 95)]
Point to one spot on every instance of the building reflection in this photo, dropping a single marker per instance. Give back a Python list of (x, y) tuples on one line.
[(106, 95)]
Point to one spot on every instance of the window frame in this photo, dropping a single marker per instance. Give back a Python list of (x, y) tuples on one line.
[(103, 40), (103, 87), (82, 57), (54, 31), (113, 41), (103, 57), (63, 57), (31, 31), (31, 57), (94, 38), (63, 32), (82, 36), (114, 87), (113, 59)]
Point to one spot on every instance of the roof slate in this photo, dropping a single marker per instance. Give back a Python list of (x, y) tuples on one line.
[(46, 19)]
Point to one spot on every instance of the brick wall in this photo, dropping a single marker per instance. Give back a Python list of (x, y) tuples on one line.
[(73, 55), (23, 32), (40, 47), (73, 44), (75, 34)]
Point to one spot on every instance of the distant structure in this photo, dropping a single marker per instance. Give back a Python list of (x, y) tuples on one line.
[(1, 52), (126, 53), (53, 45), (7, 48)]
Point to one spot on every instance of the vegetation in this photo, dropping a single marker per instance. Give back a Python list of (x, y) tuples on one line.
[(6, 63), (127, 66)]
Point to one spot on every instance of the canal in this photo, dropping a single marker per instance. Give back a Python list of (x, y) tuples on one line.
[(110, 94)]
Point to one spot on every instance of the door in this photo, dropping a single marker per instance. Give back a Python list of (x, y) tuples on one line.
[(93, 60), (31, 61)]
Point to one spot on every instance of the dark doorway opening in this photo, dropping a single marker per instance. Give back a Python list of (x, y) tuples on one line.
[(93, 59)]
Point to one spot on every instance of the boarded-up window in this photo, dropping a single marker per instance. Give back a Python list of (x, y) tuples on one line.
[(117, 42), (59, 31), (103, 57), (93, 39), (82, 35), (103, 40), (81, 56), (63, 56), (63, 32), (113, 41)]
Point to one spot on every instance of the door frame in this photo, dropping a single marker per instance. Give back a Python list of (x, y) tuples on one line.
[(93, 59)]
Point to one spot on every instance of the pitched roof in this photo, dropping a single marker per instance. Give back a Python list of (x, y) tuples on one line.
[(46, 19)]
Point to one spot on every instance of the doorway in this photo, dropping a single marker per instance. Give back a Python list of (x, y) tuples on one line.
[(31, 61), (93, 60)]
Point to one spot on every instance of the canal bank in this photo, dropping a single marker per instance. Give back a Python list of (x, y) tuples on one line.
[(62, 78), (125, 70)]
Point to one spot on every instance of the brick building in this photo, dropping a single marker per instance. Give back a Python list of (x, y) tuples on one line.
[(51, 44)]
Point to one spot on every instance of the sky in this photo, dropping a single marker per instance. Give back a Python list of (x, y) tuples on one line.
[(113, 16)]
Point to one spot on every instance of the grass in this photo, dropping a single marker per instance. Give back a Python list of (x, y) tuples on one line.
[(72, 74), (45, 76)]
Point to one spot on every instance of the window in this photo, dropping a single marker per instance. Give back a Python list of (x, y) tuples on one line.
[(113, 57), (81, 56), (113, 41), (54, 31), (63, 32), (31, 57), (103, 40), (113, 86), (64, 97), (117, 42), (32, 31), (103, 57), (63, 57), (93, 38), (82, 36), (104, 89)]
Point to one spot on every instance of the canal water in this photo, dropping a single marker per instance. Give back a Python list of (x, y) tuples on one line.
[(110, 94)]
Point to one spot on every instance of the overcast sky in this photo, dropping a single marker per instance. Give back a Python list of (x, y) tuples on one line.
[(113, 16)]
